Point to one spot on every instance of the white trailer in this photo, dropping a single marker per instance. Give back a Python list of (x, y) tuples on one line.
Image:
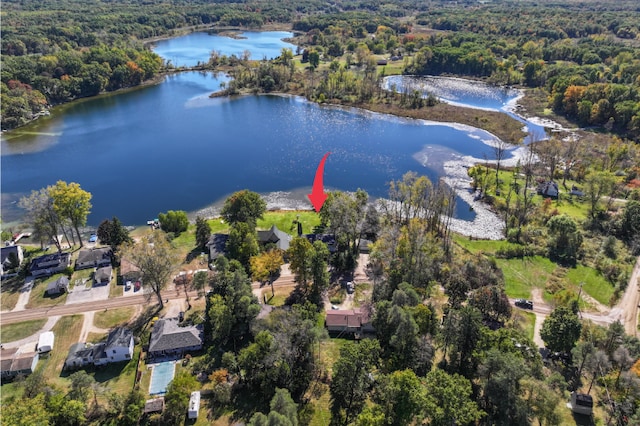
[(45, 342), (194, 405)]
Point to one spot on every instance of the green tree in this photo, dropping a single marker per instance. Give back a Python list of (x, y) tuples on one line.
[(244, 206), (449, 399), (597, 185), (42, 215), (66, 412), (113, 233), (177, 397), (174, 221), (19, 413), (81, 384), (72, 203), (401, 397), (242, 243), (561, 330), (630, 226), (350, 382), (203, 232), (156, 259), (461, 333), (565, 239)]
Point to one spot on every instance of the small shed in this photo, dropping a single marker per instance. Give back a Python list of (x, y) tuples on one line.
[(103, 275), (58, 286), (194, 405), (155, 405), (581, 403), (45, 342)]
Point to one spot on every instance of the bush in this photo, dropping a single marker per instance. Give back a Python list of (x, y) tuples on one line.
[(174, 221)]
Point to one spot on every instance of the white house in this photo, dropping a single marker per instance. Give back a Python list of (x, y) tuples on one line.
[(194, 405), (45, 342), (118, 347)]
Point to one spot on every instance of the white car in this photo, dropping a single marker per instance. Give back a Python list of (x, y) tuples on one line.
[(127, 286)]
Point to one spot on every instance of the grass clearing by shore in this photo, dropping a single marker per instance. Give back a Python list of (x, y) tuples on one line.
[(20, 330), (38, 298), (113, 317), (284, 220)]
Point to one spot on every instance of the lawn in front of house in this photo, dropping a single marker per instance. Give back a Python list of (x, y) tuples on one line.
[(20, 330), (113, 317), (38, 298), (67, 332), (10, 292), (280, 294)]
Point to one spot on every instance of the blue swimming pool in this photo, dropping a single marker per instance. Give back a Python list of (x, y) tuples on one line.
[(161, 374)]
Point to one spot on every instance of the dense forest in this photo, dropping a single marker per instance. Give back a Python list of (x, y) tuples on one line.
[(449, 347)]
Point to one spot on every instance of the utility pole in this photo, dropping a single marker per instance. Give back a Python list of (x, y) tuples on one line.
[(579, 293)]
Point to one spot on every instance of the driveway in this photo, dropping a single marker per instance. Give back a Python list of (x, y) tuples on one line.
[(80, 294), (25, 292)]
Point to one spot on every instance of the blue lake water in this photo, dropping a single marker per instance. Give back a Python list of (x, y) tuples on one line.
[(196, 47), (171, 147)]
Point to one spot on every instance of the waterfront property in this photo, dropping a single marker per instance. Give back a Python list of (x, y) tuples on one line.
[(169, 339), (50, 264), (94, 258), (217, 246), (275, 237)]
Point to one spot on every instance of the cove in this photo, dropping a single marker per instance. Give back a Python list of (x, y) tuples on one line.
[(196, 47), (171, 147)]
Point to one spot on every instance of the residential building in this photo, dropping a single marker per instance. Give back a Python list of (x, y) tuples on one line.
[(217, 246), (169, 339), (61, 285), (276, 237), (129, 271), (49, 264), (117, 348), (351, 321), (13, 363), (11, 257), (103, 275), (82, 354), (94, 258), (548, 189)]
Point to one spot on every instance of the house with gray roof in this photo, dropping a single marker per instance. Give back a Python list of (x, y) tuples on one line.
[(169, 338), (278, 238), (10, 257), (103, 275), (49, 264), (61, 285), (117, 348), (217, 246), (82, 354), (94, 258)]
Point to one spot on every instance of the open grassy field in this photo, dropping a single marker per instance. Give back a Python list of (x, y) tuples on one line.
[(20, 330), (67, 332), (525, 321), (113, 317), (521, 275), (594, 283), (38, 299)]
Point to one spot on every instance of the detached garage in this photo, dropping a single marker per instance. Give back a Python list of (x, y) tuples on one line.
[(45, 343)]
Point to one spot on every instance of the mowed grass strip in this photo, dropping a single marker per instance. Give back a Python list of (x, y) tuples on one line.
[(113, 317), (595, 285), (284, 220), (38, 298), (521, 275), (67, 332), (20, 330), (525, 321)]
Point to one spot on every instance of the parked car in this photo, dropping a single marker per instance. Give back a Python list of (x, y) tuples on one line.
[(525, 304), (127, 286), (93, 238), (136, 286)]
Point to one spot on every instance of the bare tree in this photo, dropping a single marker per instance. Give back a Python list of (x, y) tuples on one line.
[(42, 215), (499, 150), (156, 259)]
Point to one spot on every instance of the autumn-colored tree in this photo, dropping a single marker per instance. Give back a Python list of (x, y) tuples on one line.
[(71, 202), (266, 266)]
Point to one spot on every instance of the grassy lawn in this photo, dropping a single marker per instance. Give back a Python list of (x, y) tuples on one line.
[(20, 330), (78, 277), (284, 221), (521, 275), (38, 299), (281, 294), (113, 317), (595, 285), (115, 290), (525, 321), (10, 391), (10, 293), (362, 293), (118, 377), (67, 332), (480, 246)]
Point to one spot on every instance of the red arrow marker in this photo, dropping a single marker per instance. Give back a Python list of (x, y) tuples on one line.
[(317, 196)]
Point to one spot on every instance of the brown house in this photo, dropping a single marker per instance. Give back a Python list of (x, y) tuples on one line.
[(350, 321)]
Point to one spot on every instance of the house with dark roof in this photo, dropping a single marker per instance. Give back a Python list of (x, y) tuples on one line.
[(169, 338), (328, 239), (350, 321), (61, 285), (94, 258), (273, 235), (49, 264), (117, 348), (14, 363), (82, 354), (103, 275), (548, 188), (217, 246), (155, 405), (10, 257)]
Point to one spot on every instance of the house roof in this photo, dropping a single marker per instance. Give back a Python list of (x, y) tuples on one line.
[(63, 281), (217, 245), (46, 339), (275, 236), (5, 251), (49, 260), (167, 336), (119, 337), (6, 358), (154, 405), (94, 255), (103, 274), (346, 318), (126, 267), (23, 362)]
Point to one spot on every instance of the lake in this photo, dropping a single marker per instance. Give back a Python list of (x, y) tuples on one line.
[(196, 47), (171, 147)]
